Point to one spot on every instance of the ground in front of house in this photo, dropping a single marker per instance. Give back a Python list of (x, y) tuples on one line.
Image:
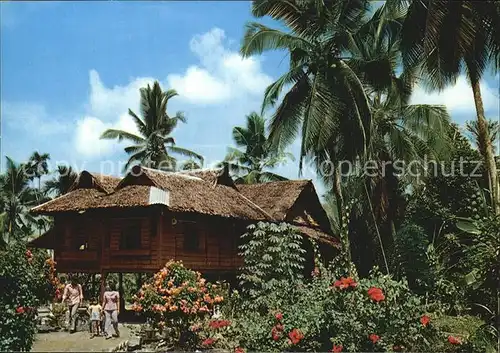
[(63, 341)]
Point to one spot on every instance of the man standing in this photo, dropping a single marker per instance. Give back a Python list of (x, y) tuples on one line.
[(74, 296)]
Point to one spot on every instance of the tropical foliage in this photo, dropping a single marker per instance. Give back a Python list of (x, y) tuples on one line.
[(413, 197), (253, 158), (153, 144)]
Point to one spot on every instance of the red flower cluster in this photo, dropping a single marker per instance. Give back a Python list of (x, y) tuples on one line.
[(239, 350), (295, 336), (337, 349), (219, 323), (276, 331), (424, 320), (29, 255), (345, 283), (454, 340), (20, 310), (376, 294), (208, 342), (279, 316), (374, 338)]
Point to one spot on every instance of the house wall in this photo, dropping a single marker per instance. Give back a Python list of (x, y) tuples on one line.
[(163, 238)]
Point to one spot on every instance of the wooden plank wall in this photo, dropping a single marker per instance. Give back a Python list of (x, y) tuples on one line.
[(161, 241), (217, 243)]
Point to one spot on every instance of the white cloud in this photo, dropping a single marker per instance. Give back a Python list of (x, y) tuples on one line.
[(231, 85), (25, 117), (458, 98), (222, 74)]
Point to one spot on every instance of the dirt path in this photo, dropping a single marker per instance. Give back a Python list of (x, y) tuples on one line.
[(78, 341)]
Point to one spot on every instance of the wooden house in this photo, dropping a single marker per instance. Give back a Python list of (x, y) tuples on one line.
[(139, 222)]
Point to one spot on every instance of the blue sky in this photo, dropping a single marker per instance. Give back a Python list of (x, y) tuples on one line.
[(71, 70)]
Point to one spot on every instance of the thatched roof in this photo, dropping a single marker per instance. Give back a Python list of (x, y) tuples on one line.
[(276, 198), (190, 193), (87, 180), (208, 192)]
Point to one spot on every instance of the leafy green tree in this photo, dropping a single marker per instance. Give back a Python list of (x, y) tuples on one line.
[(154, 144), (273, 259), (17, 198), (445, 38), (473, 130), (325, 98), (38, 166), (401, 132), (253, 154), (60, 184)]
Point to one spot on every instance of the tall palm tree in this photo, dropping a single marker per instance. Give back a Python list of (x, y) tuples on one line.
[(324, 95), (473, 130), (62, 182), (401, 132), (38, 166), (154, 144), (253, 156), (446, 38), (190, 165), (17, 198)]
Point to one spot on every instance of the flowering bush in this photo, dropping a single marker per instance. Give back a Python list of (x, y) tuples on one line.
[(176, 297), (25, 285)]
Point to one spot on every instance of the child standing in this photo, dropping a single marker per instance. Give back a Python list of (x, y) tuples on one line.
[(95, 311)]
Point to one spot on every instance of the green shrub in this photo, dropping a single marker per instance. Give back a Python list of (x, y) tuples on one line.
[(273, 261), (176, 297), (25, 286)]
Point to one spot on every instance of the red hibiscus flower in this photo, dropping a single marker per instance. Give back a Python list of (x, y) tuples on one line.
[(374, 338), (424, 320), (279, 316), (345, 283), (454, 340), (337, 349), (239, 350), (208, 342), (276, 332), (219, 323), (376, 294), (295, 336), (20, 310)]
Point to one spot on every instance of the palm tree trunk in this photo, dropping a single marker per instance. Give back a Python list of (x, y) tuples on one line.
[(376, 229), (337, 190), (484, 139)]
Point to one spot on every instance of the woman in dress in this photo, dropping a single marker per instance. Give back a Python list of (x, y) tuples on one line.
[(111, 307)]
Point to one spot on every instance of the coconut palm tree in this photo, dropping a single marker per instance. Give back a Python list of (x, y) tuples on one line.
[(190, 165), (323, 93), (253, 154), (473, 130), (62, 182), (17, 198), (38, 166), (154, 144), (446, 38), (401, 132)]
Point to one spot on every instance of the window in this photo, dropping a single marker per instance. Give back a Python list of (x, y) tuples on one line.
[(130, 238), (191, 238), (80, 238)]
